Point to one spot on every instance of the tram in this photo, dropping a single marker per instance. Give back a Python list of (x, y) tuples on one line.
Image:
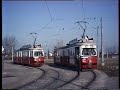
[(80, 53), (32, 55)]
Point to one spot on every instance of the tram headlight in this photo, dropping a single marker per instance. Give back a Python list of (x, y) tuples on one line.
[(39, 59), (35, 59), (84, 60)]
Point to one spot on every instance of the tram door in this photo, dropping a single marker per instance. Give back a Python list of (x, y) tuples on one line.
[(77, 58), (77, 52)]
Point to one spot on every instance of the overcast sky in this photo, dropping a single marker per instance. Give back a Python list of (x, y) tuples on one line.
[(20, 18)]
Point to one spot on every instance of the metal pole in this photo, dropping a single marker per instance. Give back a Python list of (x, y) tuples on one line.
[(97, 42), (107, 53), (102, 52)]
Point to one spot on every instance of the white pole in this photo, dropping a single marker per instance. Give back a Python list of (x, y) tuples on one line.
[(102, 51), (2, 58)]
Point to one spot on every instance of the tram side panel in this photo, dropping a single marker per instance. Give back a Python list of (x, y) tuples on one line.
[(84, 62), (65, 57), (31, 59), (89, 62), (94, 61), (72, 56), (57, 57), (26, 57)]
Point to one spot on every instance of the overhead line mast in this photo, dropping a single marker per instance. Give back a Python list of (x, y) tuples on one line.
[(102, 51)]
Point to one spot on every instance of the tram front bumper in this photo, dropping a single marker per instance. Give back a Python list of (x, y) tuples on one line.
[(87, 66)]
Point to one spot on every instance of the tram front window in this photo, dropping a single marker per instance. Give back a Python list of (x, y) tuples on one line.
[(38, 53), (88, 51)]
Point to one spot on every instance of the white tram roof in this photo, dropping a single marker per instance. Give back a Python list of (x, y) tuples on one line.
[(82, 42), (31, 47)]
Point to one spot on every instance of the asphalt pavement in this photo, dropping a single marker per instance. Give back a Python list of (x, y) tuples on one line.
[(14, 75)]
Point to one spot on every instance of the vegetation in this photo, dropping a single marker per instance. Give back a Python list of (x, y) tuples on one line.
[(8, 43), (111, 67)]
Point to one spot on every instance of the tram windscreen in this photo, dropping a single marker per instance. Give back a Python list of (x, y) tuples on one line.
[(89, 51), (38, 53)]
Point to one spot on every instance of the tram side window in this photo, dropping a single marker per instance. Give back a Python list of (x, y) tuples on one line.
[(66, 52), (73, 51), (93, 52), (25, 53), (56, 53), (60, 52), (70, 51), (20, 53), (17, 54)]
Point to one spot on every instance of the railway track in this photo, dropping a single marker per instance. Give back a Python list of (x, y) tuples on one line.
[(42, 82), (57, 78), (27, 84), (71, 81), (76, 76), (91, 80), (50, 81)]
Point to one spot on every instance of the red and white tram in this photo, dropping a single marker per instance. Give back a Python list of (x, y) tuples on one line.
[(78, 52), (29, 55)]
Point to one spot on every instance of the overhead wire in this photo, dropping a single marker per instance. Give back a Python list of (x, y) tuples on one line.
[(83, 11), (50, 17), (46, 25), (48, 10)]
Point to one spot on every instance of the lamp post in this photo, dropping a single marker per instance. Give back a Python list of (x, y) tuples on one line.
[(97, 40), (102, 51)]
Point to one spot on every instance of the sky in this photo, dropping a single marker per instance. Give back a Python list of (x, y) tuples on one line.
[(55, 21)]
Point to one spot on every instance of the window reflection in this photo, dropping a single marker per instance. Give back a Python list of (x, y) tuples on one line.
[(88, 51), (38, 53)]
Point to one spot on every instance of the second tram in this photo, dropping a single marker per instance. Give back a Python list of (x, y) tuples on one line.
[(81, 53)]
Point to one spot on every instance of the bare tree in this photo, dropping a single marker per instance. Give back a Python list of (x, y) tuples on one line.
[(8, 42)]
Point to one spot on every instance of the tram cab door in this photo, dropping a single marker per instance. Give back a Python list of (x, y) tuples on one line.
[(77, 53), (77, 57)]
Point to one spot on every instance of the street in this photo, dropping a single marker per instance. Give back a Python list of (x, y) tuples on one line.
[(50, 76)]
